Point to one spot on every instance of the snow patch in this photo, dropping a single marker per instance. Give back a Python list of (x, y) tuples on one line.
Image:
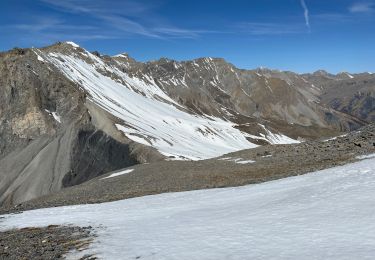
[(225, 158), (277, 138), (350, 76), (118, 174), (334, 138), (245, 162), (73, 44), (236, 160), (54, 115), (367, 156), (40, 59), (37, 55), (121, 55)]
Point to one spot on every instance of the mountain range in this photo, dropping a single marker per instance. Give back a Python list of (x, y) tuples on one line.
[(68, 115)]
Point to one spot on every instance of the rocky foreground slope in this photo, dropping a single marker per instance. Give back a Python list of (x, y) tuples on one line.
[(244, 167), (68, 115), (325, 214)]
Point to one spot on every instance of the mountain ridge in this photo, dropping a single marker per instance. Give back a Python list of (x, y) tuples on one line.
[(17, 49)]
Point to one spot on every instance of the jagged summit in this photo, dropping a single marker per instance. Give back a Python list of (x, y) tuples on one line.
[(122, 55), (73, 44), (322, 73)]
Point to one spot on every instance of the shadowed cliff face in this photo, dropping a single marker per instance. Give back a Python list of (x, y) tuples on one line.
[(54, 133), (94, 154)]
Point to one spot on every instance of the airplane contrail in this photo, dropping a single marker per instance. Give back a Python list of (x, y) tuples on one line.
[(306, 13)]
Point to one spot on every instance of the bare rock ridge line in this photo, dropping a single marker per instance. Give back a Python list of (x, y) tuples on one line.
[(68, 115)]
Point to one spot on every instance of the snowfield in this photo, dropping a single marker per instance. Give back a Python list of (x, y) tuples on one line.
[(327, 214), (149, 115), (149, 120)]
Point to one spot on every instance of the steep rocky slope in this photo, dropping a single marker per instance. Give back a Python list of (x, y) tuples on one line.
[(352, 94), (68, 115), (47, 134)]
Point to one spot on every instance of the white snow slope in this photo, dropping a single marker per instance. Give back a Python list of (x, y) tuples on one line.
[(150, 116), (323, 215)]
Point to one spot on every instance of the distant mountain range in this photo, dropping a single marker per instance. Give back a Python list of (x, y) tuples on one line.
[(68, 115)]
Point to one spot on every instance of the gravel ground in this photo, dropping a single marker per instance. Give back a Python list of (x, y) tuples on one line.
[(51, 242), (271, 162)]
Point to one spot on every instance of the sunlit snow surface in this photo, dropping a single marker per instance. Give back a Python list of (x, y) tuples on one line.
[(73, 44), (323, 215), (150, 116), (236, 160), (118, 174), (367, 156), (55, 115)]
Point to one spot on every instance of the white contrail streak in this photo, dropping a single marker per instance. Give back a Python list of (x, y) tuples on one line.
[(306, 13)]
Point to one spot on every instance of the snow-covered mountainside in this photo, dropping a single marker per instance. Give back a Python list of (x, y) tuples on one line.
[(322, 215), (68, 115), (148, 115)]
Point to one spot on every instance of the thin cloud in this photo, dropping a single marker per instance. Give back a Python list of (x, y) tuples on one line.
[(37, 25), (48, 23), (124, 17), (182, 33), (125, 25), (306, 13), (132, 8), (46, 30), (363, 7)]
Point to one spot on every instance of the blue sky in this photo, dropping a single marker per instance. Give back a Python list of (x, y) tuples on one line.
[(296, 35)]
